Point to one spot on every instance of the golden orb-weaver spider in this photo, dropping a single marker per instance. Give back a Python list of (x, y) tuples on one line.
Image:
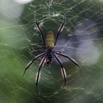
[(48, 54)]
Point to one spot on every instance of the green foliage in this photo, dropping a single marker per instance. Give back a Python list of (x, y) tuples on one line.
[(18, 40)]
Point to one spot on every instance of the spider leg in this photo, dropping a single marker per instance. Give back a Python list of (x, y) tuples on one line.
[(38, 74), (60, 29), (29, 64), (63, 72), (71, 59), (37, 24)]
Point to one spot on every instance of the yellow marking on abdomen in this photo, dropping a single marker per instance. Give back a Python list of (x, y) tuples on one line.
[(50, 39)]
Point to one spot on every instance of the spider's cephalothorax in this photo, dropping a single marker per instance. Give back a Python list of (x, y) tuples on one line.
[(49, 57), (49, 54)]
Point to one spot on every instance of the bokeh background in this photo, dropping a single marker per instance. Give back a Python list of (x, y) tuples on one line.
[(81, 39)]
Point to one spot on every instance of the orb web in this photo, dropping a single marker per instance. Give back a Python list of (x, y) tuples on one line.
[(81, 40)]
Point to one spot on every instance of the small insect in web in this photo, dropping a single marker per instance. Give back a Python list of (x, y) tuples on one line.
[(49, 54)]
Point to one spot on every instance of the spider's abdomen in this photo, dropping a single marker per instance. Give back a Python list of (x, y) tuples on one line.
[(50, 40)]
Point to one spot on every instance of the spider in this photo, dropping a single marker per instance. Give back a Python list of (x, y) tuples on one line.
[(49, 54)]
